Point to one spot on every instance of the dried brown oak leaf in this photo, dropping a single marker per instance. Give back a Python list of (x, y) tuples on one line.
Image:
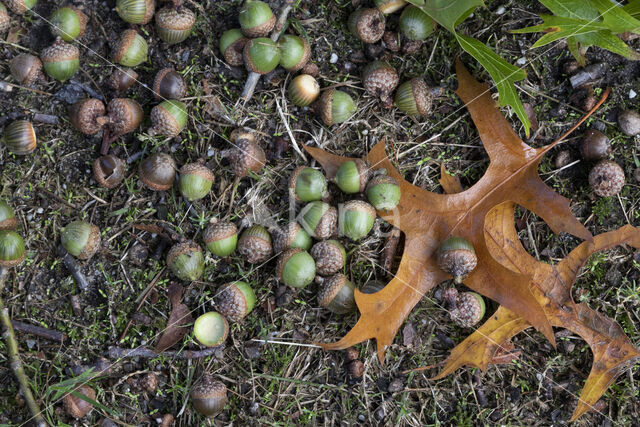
[(551, 285), (428, 218), (179, 318)]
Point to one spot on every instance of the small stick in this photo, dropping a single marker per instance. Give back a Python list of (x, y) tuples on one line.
[(15, 362), (39, 331), (252, 80), (45, 118), (73, 268), (389, 250), (145, 352)]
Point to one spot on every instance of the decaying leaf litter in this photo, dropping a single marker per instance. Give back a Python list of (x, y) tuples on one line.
[(388, 371)]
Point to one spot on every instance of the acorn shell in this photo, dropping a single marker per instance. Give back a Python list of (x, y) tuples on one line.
[(307, 184), (606, 178), (20, 6), (130, 49), (68, 22), (330, 257), (261, 55), (20, 137), (195, 181), (595, 145), (174, 25), (5, 19), (125, 115), (470, 309), (247, 157), (318, 219), (168, 84), (367, 24), (232, 45), (457, 257), (255, 244), (12, 250), (296, 268), (352, 176), (383, 192), (109, 171), (334, 106), (294, 52), (60, 60), (211, 329), (136, 11), (389, 6), (8, 219), (209, 396), (415, 24), (158, 171), (122, 79), (186, 261), (256, 19), (291, 236), (221, 238), (76, 406), (26, 69), (81, 239), (168, 118), (84, 114), (414, 97), (355, 219), (380, 79), (303, 90), (336, 294), (235, 300)]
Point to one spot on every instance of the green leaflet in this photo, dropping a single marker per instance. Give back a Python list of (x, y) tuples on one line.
[(448, 13)]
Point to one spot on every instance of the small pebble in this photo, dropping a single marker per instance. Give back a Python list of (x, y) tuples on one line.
[(632, 94), (40, 211), (501, 10), (333, 59), (521, 61)]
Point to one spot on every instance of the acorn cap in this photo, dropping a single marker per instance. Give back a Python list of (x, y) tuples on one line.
[(129, 49), (108, 171), (368, 24), (380, 79), (247, 157), (307, 184), (122, 79), (595, 145), (294, 52), (8, 219), (319, 219), (136, 11), (221, 238), (60, 60), (5, 20), (334, 106), (336, 294), (209, 396), (178, 21), (83, 115), (26, 68), (457, 257), (235, 300), (186, 260), (330, 257), (291, 236), (606, 178), (414, 97), (211, 329), (296, 268), (469, 310), (125, 115), (81, 239), (195, 181), (158, 171), (12, 250), (356, 219), (255, 244), (256, 19), (232, 45), (168, 118)]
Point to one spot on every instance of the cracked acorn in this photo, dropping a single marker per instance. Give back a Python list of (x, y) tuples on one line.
[(109, 170)]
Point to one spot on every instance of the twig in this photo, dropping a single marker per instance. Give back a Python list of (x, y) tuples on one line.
[(389, 250), (14, 358), (39, 331), (252, 79), (145, 352), (45, 118), (73, 268)]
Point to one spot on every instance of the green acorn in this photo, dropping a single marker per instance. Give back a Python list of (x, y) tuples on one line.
[(20, 6), (352, 176), (12, 250), (158, 171), (20, 137), (221, 238), (291, 236), (319, 219), (367, 24), (456, 256), (5, 19), (330, 257), (136, 11), (60, 60), (255, 244), (261, 55), (122, 79), (130, 49), (211, 329), (296, 268), (232, 45), (209, 396), (355, 219), (303, 90), (109, 171), (334, 106), (26, 69), (294, 52), (169, 84), (415, 24), (235, 300), (8, 219), (68, 23), (256, 19), (81, 239), (389, 6), (186, 261), (336, 294), (195, 181), (383, 192), (168, 118), (414, 97), (174, 25), (307, 184)]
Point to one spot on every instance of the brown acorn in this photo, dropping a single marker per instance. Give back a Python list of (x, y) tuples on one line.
[(158, 171), (606, 178), (209, 396), (629, 122), (466, 309), (122, 79), (85, 115), (336, 294), (330, 257), (124, 116), (595, 145), (5, 19), (77, 407), (457, 257), (247, 157), (168, 84), (380, 80), (108, 171), (26, 69), (255, 244), (367, 24)]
